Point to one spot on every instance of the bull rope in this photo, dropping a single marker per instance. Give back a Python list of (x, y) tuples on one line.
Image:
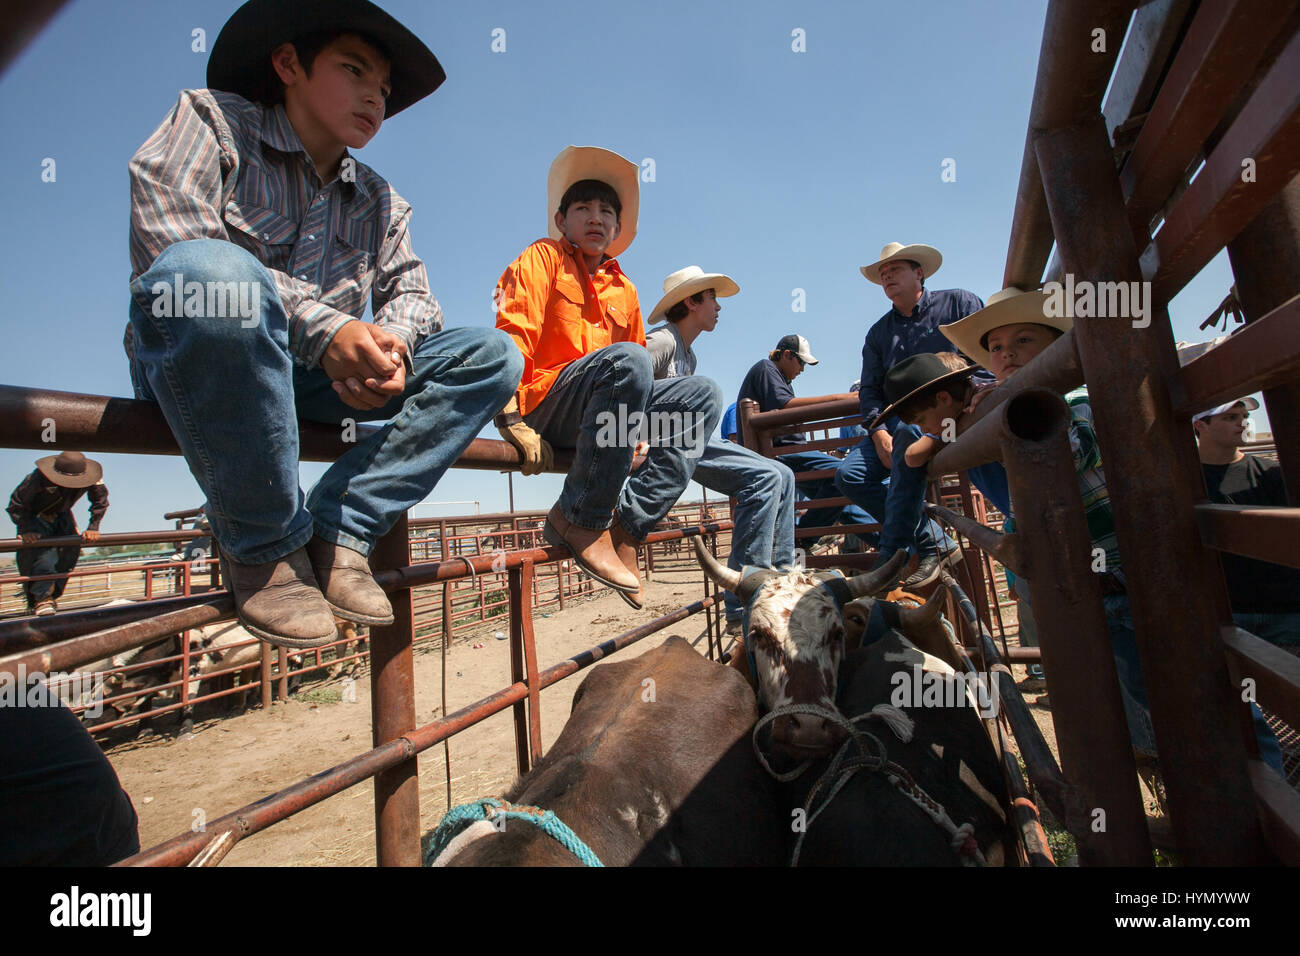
[(871, 755), (490, 808)]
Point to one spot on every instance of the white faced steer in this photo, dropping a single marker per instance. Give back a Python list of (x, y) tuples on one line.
[(795, 638)]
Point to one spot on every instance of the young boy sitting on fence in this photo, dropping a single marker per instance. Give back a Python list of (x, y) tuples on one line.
[(763, 488), (255, 242), (588, 380), (1010, 331)]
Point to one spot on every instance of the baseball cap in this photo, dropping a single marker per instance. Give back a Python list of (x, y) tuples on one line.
[(799, 346), (1250, 403)]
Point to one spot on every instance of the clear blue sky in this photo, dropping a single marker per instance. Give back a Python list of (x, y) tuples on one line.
[(786, 170)]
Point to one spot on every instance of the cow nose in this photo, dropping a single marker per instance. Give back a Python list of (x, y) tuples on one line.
[(806, 733)]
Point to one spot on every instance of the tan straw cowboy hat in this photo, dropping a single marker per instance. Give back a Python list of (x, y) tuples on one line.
[(927, 257), (1011, 306), (576, 163), (684, 283), (71, 469)]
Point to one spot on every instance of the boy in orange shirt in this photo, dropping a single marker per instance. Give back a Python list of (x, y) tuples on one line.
[(588, 380)]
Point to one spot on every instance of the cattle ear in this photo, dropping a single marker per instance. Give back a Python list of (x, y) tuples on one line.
[(856, 615)]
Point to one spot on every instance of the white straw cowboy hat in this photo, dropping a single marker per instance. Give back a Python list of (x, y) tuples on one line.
[(927, 257), (684, 283), (1011, 306), (576, 163)]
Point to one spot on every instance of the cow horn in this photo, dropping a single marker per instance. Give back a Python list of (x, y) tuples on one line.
[(873, 582), (722, 576), (911, 617)]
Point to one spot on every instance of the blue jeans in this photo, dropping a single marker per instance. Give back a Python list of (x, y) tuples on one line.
[(1137, 708), (763, 536), (811, 488), (1281, 629), (37, 561), (898, 493), (591, 409), (233, 395)]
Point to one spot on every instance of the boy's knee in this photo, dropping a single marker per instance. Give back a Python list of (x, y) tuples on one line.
[(206, 260), (632, 364)]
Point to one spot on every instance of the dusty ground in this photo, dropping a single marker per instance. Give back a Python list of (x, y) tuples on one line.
[(226, 764)]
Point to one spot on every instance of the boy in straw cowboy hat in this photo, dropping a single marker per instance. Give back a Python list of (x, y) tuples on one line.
[(41, 507), (588, 381), (256, 240), (764, 489), (875, 474)]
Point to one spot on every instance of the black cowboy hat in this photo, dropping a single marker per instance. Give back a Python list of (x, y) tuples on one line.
[(240, 59), (914, 374), (71, 469)]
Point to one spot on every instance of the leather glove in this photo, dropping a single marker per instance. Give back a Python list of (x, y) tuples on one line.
[(534, 452)]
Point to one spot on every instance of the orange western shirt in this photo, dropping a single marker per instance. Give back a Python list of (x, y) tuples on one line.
[(556, 312)]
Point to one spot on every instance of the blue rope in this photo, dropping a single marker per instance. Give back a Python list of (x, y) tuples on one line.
[(458, 818)]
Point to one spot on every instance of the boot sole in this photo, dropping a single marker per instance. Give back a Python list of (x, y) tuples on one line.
[(553, 537)]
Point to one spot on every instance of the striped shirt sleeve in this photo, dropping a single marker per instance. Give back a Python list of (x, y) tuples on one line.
[(181, 180), (401, 301)]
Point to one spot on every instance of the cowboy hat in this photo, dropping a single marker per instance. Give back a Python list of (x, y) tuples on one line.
[(240, 58), (1011, 306), (912, 375), (576, 163), (927, 257), (71, 469), (684, 283)]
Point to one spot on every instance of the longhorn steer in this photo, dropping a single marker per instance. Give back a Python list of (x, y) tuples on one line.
[(801, 626), (653, 768)]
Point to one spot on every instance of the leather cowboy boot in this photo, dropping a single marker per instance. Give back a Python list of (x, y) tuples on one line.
[(593, 550), (347, 584), (627, 547), (279, 601)]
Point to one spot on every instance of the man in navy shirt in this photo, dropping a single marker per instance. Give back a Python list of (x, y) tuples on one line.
[(874, 474), (768, 383)]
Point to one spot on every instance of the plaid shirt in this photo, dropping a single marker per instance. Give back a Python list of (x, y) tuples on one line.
[(1092, 479), (221, 167)]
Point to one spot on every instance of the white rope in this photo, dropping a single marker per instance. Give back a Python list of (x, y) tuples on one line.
[(843, 767)]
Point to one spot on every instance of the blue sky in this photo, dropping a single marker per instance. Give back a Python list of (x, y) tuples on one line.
[(787, 170)]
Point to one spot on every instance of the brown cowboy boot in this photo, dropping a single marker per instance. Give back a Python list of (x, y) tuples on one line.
[(279, 601), (626, 547), (347, 584), (593, 551)]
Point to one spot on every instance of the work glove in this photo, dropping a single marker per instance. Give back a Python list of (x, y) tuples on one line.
[(535, 453)]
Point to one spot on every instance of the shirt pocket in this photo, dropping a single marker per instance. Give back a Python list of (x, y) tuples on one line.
[(266, 233), (353, 255), (564, 316)]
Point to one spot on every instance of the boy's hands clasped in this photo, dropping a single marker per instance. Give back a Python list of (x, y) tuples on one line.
[(365, 362)]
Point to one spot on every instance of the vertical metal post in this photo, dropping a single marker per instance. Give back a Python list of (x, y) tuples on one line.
[(1265, 259), (264, 675), (282, 689), (1154, 479), (392, 712), (523, 667), (1091, 732)]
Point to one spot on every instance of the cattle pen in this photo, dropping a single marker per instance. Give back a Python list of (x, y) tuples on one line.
[(1132, 173)]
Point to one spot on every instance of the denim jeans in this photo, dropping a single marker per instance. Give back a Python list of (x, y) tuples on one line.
[(233, 395), (1137, 708), (898, 493), (812, 488), (591, 409), (1281, 629), (37, 561), (763, 533)]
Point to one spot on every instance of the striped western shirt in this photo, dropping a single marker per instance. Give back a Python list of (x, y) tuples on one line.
[(221, 167)]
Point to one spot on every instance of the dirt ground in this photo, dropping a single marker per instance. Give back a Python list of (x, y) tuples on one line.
[(225, 764), (177, 783)]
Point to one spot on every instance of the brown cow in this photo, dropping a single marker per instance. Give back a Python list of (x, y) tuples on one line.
[(653, 768)]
